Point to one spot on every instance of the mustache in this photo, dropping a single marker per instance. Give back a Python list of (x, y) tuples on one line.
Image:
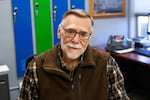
[(77, 46)]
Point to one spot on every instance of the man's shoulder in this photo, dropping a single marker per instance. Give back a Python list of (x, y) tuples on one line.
[(48, 53), (96, 54)]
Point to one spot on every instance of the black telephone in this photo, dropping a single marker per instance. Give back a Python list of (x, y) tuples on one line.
[(116, 42)]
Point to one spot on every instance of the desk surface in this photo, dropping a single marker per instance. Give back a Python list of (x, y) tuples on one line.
[(129, 56)]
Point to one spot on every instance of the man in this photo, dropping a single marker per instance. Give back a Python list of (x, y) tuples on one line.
[(73, 70)]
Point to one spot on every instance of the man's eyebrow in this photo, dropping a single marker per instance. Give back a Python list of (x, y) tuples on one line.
[(85, 31)]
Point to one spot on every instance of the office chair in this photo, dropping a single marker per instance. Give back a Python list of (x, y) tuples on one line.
[(29, 59)]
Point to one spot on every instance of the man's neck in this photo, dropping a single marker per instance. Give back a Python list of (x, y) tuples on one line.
[(71, 64)]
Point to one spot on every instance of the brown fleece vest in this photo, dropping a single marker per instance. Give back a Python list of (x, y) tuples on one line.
[(89, 83)]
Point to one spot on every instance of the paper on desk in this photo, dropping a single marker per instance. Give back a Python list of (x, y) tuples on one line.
[(4, 69), (125, 50)]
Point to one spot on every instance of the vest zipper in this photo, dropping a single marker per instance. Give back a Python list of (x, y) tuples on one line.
[(79, 83), (72, 85)]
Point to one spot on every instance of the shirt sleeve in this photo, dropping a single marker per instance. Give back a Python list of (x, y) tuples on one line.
[(29, 89), (116, 88)]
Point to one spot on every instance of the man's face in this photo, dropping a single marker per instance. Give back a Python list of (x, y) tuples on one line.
[(73, 47)]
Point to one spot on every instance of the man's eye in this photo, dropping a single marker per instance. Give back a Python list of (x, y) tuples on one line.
[(70, 31), (83, 34)]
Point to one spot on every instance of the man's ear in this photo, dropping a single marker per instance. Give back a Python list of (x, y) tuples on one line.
[(59, 33)]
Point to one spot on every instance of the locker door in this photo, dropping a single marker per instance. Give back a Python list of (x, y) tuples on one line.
[(22, 33), (43, 30), (59, 7), (78, 4)]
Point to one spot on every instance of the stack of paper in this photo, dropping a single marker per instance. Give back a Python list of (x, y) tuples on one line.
[(3, 69)]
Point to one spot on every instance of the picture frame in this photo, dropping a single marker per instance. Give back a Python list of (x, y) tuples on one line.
[(107, 8)]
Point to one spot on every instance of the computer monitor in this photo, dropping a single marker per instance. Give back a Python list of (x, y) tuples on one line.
[(143, 26)]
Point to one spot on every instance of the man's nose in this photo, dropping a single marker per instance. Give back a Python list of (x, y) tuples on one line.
[(76, 38)]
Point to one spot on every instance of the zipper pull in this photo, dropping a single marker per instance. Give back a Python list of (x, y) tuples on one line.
[(79, 76)]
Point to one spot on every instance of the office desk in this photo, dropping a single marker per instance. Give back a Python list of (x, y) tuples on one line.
[(137, 58), (4, 84), (135, 69)]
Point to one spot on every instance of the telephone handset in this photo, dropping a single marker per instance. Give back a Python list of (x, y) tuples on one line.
[(115, 43), (110, 39)]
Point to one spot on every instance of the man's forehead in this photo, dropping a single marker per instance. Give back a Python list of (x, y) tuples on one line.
[(77, 20)]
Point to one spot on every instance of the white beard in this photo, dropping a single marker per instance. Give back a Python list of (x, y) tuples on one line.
[(72, 53)]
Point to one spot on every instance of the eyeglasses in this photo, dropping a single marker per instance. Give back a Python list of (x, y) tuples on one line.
[(72, 33)]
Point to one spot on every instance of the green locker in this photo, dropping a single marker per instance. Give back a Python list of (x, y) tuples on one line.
[(43, 25)]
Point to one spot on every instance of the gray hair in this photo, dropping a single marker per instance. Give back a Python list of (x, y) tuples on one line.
[(80, 13)]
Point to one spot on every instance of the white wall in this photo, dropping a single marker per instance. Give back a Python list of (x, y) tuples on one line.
[(109, 26), (7, 49), (141, 6), (137, 6), (104, 27)]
